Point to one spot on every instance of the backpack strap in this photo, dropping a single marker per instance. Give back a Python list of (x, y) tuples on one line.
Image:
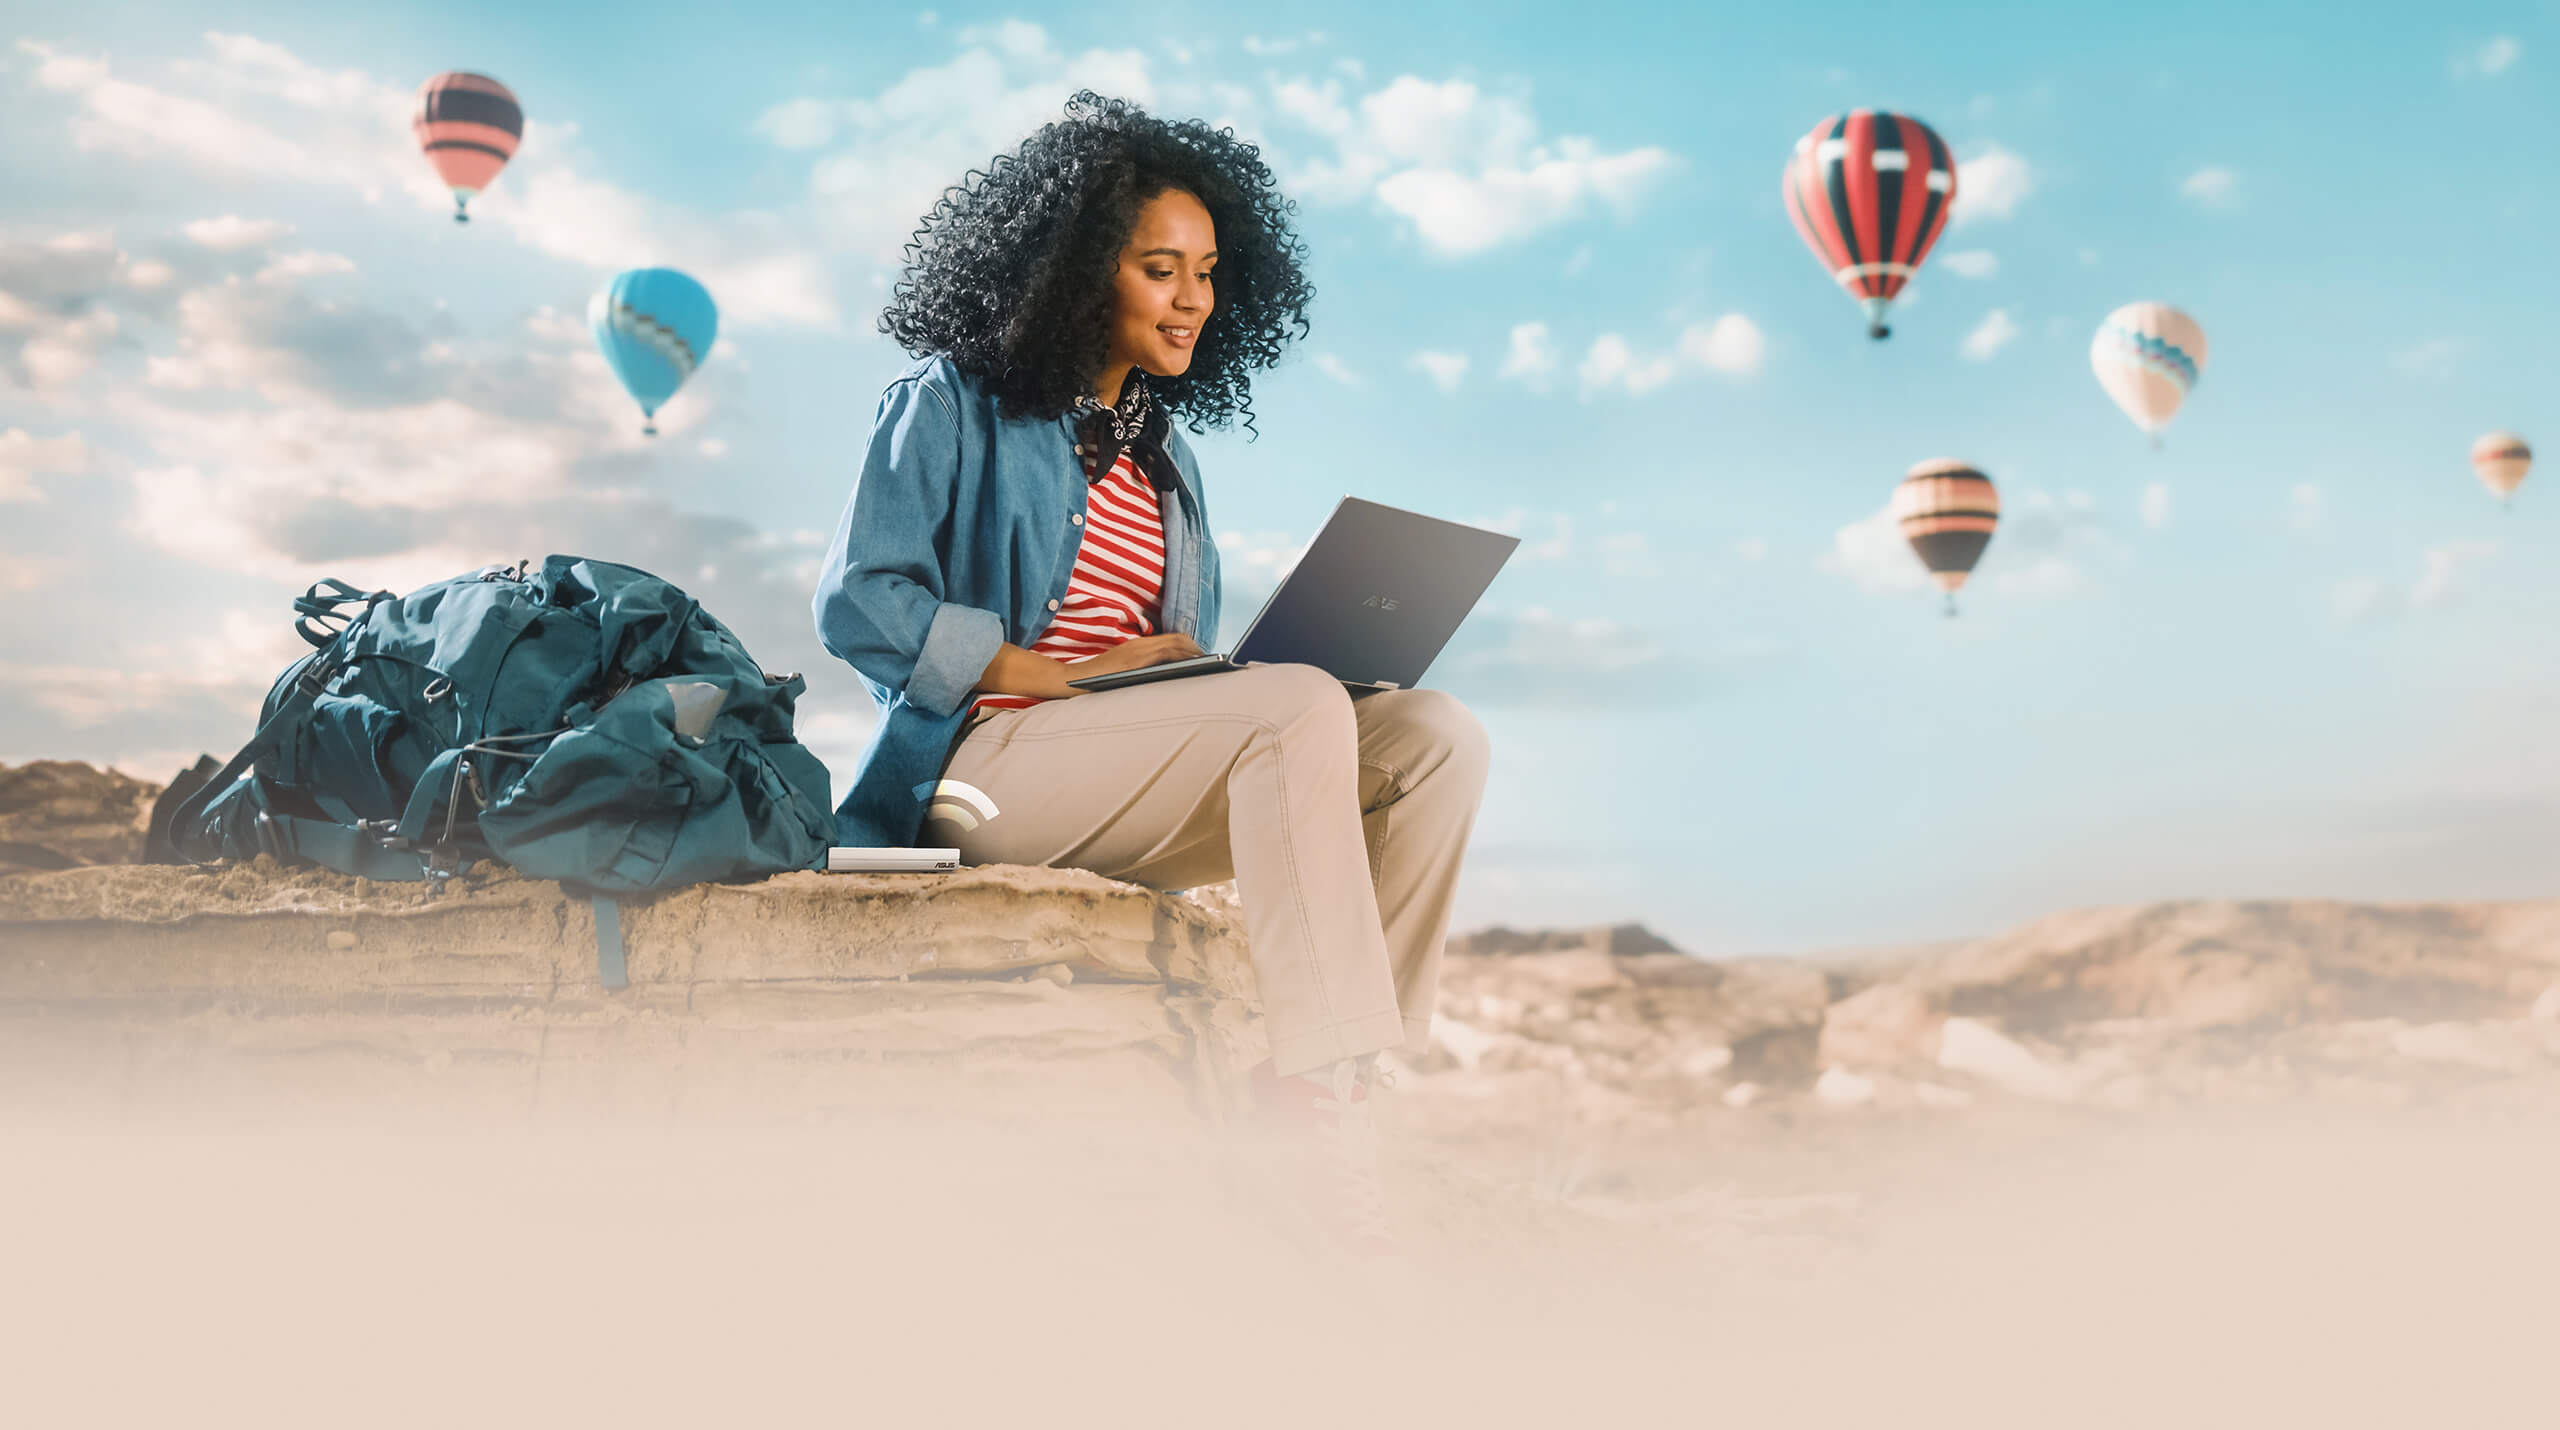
[(185, 827)]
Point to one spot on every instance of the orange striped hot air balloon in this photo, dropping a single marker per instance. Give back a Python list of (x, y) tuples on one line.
[(469, 126), (2501, 459), (1947, 510)]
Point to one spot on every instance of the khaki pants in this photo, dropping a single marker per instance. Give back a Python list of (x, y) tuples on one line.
[(1341, 819)]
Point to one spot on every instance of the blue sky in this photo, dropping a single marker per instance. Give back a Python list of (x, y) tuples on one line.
[(2299, 652)]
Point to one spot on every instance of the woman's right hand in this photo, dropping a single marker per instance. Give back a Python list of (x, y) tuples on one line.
[(1136, 653)]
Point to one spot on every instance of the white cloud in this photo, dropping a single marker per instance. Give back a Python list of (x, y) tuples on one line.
[(55, 321), (25, 456), (1335, 368), (1628, 553), (230, 233), (1990, 335), (2492, 58), (1732, 345), (309, 263), (1468, 170), (2442, 580), (2307, 507), (1555, 546), (1251, 565), (2050, 545), (2357, 599), (1873, 555), (293, 439), (1539, 657), (1271, 48), (2155, 505), (252, 110), (1611, 362), (1531, 358), (1972, 263), (890, 155), (2432, 360), (1752, 549), (1991, 185), (2212, 186), (2047, 545), (1446, 369)]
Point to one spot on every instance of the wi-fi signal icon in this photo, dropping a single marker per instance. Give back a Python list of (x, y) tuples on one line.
[(956, 802)]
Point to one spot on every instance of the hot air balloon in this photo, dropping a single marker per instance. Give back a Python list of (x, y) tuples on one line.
[(2147, 355), (1870, 191), (1947, 511), (469, 126), (656, 326), (2502, 459)]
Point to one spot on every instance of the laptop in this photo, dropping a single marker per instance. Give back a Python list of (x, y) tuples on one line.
[(1371, 602)]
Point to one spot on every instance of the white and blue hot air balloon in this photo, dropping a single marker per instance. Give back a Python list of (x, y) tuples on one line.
[(656, 326)]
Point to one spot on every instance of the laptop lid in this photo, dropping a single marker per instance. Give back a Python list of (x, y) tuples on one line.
[(1377, 594)]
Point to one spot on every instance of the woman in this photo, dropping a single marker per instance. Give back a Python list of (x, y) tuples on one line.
[(1027, 513)]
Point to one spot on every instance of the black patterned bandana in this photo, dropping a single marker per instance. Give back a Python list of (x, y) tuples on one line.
[(1137, 425)]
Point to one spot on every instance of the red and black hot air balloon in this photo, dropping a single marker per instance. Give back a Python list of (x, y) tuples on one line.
[(1948, 511), (1870, 192), (469, 126)]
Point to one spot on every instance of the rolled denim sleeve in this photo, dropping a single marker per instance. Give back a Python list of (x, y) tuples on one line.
[(879, 604)]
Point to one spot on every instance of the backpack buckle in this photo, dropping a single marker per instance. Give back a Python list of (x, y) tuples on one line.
[(385, 834)]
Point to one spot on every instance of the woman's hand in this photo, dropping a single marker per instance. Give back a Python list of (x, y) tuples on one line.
[(1136, 653)]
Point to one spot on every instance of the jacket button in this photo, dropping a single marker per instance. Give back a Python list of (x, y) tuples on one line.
[(1053, 605), (1079, 449), (1078, 518)]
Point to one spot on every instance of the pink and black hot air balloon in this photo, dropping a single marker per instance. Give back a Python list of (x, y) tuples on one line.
[(1870, 191), (469, 126)]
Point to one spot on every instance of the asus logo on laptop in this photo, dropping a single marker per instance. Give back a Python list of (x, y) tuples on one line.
[(1383, 603)]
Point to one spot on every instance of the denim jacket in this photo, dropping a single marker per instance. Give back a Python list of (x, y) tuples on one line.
[(960, 536)]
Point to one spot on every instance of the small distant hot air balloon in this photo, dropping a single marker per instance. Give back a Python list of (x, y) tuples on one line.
[(2147, 355), (1947, 511), (1870, 192), (2502, 459), (469, 126), (656, 326)]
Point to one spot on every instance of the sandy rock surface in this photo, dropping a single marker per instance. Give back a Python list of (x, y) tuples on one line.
[(968, 1140), (61, 814)]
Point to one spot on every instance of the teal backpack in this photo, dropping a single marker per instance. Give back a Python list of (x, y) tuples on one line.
[(583, 722)]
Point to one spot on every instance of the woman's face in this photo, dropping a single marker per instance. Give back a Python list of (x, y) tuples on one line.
[(1161, 296)]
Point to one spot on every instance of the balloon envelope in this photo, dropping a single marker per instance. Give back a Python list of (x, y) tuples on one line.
[(1948, 511), (1869, 192), (2148, 356), (655, 325), (2501, 459), (469, 126)]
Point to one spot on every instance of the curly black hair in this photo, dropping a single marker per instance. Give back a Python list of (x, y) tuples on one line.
[(1011, 272)]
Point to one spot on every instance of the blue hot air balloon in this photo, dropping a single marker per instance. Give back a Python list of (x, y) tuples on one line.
[(656, 326)]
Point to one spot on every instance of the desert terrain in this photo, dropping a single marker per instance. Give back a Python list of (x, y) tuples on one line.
[(283, 1148)]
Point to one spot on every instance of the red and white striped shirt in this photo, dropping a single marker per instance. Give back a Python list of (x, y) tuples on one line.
[(1116, 590)]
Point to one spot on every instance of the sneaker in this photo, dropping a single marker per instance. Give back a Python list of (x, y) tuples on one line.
[(1331, 1137)]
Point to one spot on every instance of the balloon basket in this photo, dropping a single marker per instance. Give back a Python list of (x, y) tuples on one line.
[(1879, 331), (1949, 612), (648, 429), (460, 217)]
